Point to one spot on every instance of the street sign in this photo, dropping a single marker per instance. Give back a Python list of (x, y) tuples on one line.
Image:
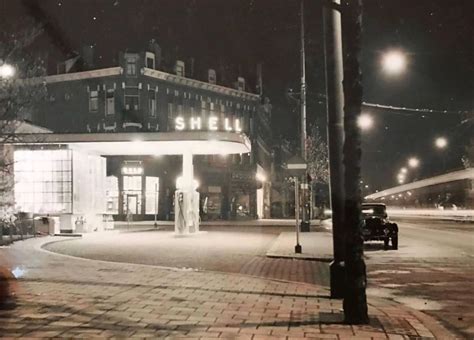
[(296, 166)]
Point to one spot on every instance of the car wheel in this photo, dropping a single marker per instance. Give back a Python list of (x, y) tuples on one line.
[(395, 242), (385, 243)]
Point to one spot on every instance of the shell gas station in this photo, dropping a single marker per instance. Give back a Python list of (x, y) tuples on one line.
[(63, 176)]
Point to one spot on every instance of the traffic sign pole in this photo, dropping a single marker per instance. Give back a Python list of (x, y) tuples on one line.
[(297, 216)]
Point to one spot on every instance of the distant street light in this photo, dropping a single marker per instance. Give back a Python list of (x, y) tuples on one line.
[(7, 71), (403, 170), (414, 162), (365, 121), (394, 62), (441, 142)]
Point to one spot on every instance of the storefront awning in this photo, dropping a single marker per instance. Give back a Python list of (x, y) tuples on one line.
[(146, 143)]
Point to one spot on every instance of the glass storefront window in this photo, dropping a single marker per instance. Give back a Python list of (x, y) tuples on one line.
[(43, 181)]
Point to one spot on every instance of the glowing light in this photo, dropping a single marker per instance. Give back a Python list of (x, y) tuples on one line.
[(227, 125), (237, 125), (7, 71), (403, 170), (441, 142), (196, 123), (180, 184), (179, 123), (414, 162), (394, 62), (260, 177), (365, 121), (213, 123)]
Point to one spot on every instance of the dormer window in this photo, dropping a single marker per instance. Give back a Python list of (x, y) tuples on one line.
[(150, 60), (131, 65)]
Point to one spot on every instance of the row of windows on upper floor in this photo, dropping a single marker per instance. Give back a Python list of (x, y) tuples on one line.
[(132, 102)]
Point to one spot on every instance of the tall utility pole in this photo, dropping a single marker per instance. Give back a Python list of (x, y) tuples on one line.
[(304, 217), (335, 113), (355, 299)]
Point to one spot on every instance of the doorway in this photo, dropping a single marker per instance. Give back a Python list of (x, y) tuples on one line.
[(132, 204)]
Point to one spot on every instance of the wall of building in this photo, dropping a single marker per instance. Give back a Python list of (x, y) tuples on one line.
[(139, 98)]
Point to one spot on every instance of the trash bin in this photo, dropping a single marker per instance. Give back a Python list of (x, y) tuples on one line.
[(304, 226)]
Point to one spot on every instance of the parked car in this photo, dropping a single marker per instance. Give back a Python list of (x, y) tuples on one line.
[(377, 226)]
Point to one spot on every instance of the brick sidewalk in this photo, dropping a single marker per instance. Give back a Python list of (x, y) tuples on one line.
[(67, 297)]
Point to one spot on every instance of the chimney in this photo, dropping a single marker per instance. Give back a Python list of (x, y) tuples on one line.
[(179, 68), (156, 49), (211, 76), (240, 84), (259, 79), (191, 67), (88, 56)]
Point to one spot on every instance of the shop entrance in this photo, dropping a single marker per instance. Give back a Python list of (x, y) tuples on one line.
[(132, 204)]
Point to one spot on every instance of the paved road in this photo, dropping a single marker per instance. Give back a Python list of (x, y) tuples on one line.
[(431, 271)]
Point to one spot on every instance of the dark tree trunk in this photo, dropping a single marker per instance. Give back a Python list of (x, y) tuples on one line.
[(355, 300)]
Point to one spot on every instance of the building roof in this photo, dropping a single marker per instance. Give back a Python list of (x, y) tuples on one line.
[(148, 72)]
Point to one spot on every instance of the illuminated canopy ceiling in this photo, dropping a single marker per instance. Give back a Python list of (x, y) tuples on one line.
[(147, 143)]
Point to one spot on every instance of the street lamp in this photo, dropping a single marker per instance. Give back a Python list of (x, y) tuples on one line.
[(7, 71), (403, 170), (394, 62), (441, 142), (414, 162), (401, 178), (365, 121)]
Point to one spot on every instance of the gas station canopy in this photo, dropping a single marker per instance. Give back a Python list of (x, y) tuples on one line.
[(145, 143)]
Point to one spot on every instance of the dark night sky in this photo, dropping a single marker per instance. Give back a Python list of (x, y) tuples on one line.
[(437, 36)]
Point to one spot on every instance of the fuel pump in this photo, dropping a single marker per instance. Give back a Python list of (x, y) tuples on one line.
[(187, 212), (186, 202)]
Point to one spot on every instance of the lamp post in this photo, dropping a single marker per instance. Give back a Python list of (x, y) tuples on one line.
[(335, 104)]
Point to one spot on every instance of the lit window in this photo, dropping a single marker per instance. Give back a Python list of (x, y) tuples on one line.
[(131, 103), (110, 102), (93, 101), (131, 67)]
